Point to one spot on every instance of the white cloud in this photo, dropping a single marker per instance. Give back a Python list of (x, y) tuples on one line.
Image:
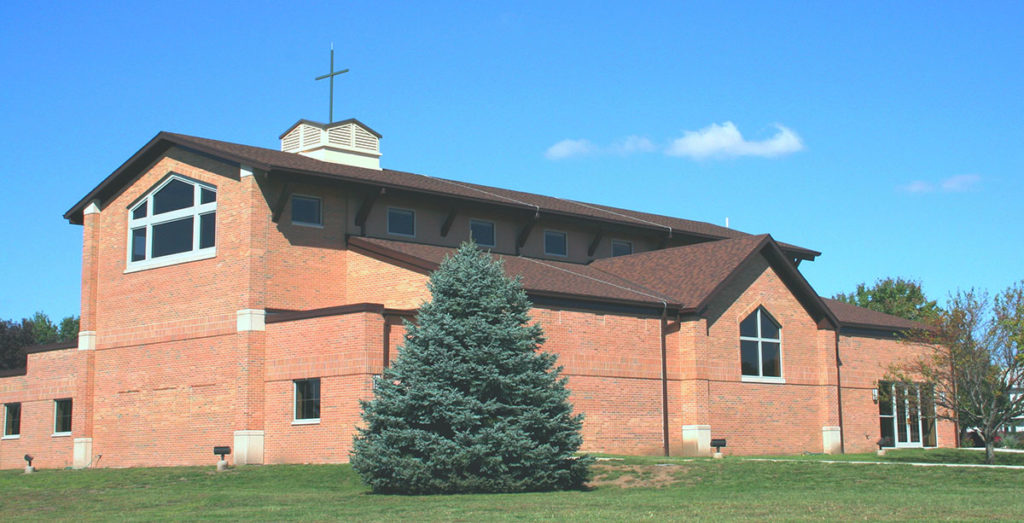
[(725, 140), (633, 144), (569, 148), (960, 182), (918, 186), (957, 183)]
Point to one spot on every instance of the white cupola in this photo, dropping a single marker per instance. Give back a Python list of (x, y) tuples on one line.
[(348, 142)]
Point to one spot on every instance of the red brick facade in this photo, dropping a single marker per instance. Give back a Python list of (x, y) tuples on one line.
[(174, 360)]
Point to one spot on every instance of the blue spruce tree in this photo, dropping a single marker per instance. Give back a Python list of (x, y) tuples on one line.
[(470, 404)]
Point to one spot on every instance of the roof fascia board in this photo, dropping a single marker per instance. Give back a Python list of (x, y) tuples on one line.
[(74, 214), (806, 294), (145, 156)]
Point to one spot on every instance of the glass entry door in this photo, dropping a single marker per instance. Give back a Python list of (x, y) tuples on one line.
[(906, 415)]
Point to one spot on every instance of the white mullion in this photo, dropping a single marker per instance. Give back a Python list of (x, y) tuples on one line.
[(148, 220), (760, 346)]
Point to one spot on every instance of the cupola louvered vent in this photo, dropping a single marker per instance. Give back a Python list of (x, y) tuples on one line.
[(347, 142), (341, 135), (310, 135), (365, 140), (290, 142)]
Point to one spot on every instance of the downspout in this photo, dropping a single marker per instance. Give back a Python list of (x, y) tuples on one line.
[(839, 396), (387, 341), (664, 377)]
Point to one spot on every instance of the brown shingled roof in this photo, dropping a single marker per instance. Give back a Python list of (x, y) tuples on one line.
[(854, 316), (539, 277), (273, 160), (689, 274), (683, 279)]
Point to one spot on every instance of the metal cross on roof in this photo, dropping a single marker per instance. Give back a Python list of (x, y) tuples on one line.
[(331, 75)]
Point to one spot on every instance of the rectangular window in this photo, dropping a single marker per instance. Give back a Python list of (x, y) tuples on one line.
[(621, 248), (307, 400), (306, 211), (172, 237), (12, 420), (555, 243), (482, 232), (62, 416), (207, 230), (401, 222)]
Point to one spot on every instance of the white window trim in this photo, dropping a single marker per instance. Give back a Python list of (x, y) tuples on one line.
[(319, 225), (295, 400), (61, 434), (564, 235), (11, 436), (627, 242), (413, 211), (760, 377), (198, 209), (494, 231)]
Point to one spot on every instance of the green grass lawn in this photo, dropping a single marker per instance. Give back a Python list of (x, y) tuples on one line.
[(630, 488)]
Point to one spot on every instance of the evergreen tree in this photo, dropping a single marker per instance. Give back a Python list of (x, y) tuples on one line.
[(470, 404)]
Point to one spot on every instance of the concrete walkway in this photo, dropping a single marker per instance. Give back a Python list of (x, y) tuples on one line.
[(912, 463)]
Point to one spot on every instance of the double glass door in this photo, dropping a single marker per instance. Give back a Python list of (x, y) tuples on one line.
[(906, 415)]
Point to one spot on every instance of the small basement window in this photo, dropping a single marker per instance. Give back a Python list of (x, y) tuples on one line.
[(62, 417), (555, 243), (401, 221), (12, 420), (307, 401), (175, 222), (482, 232), (306, 210)]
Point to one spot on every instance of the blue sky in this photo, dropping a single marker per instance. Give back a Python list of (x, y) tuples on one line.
[(889, 137)]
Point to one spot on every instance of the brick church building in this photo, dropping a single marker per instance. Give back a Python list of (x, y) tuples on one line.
[(242, 296)]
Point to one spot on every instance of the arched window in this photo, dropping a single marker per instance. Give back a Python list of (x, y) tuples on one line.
[(761, 345), (175, 222)]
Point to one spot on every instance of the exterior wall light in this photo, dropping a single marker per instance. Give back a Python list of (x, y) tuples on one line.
[(874, 395)]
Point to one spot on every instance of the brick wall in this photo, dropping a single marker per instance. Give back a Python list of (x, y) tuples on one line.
[(344, 352), (867, 359), (167, 403), (50, 376), (759, 418)]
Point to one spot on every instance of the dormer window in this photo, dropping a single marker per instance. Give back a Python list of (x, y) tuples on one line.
[(761, 347), (174, 223)]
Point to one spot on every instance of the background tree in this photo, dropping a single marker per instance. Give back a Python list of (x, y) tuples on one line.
[(470, 404), (896, 296), (38, 330), (976, 363), (14, 337)]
